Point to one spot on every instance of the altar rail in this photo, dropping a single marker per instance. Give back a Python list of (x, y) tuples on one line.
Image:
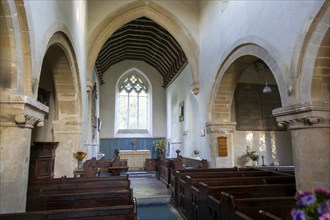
[(108, 145)]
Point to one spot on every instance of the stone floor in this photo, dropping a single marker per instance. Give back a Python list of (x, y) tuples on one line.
[(147, 189)]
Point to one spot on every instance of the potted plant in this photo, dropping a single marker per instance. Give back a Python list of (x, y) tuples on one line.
[(160, 145)]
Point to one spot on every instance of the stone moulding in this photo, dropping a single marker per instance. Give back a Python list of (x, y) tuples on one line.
[(221, 128), (22, 111), (304, 115)]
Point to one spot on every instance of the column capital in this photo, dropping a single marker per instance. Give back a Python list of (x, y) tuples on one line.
[(304, 115), (22, 111)]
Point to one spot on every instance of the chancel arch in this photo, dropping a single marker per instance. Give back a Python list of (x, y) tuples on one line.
[(249, 67), (152, 11)]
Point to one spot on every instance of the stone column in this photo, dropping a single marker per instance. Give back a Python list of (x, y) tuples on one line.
[(310, 132), (216, 130), (18, 115)]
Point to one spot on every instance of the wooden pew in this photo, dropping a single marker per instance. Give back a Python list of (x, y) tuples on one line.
[(265, 191), (178, 175), (120, 212), (191, 198), (279, 206), (36, 186), (79, 200), (80, 193), (214, 173), (78, 187)]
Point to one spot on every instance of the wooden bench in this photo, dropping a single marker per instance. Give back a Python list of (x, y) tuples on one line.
[(105, 164), (36, 186), (120, 212), (179, 175), (167, 166), (81, 193), (210, 204), (249, 208), (180, 178), (191, 197)]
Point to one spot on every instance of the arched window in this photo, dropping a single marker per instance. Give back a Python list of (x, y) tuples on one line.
[(133, 99)]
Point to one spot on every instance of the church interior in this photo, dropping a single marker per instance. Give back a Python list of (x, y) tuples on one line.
[(167, 86)]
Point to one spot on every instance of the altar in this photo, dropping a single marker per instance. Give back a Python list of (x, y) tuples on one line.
[(135, 158)]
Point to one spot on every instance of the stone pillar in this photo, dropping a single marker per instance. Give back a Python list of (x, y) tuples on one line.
[(67, 133), (18, 115), (310, 132), (216, 130)]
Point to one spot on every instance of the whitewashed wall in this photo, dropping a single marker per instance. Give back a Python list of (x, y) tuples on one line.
[(107, 97), (46, 18)]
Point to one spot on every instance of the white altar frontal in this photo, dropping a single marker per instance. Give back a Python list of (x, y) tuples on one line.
[(135, 158)]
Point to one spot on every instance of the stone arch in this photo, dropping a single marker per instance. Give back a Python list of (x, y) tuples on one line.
[(227, 76), (153, 11), (16, 52), (313, 68), (66, 125), (221, 114)]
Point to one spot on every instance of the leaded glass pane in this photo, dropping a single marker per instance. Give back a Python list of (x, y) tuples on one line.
[(133, 110), (123, 110)]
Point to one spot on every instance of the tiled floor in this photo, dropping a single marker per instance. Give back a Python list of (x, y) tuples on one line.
[(147, 189)]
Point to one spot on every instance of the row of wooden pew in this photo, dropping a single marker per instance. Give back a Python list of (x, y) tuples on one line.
[(109, 197), (233, 193)]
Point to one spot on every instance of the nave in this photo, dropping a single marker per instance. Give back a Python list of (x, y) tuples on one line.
[(152, 197)]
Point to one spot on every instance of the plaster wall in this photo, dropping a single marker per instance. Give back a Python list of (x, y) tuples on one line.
[(274, 145), (48, 17), (183, 135), (107, 98), (237, 22)]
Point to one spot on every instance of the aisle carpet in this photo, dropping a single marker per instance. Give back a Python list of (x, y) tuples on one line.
[(155, 212)]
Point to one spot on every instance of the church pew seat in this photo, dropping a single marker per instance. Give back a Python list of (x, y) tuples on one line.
[(119, 212), (180, 174), (252, 193), (77, 200), (190, 197), (278, 206)]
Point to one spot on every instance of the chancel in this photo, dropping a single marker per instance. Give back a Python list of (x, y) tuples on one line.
[(110, 80)]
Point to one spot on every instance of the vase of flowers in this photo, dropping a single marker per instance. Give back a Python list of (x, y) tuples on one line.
[(311, 206), (160, 145), (253, 155), (79, 156)]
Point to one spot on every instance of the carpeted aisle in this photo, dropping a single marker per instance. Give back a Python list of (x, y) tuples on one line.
[(156, 212)]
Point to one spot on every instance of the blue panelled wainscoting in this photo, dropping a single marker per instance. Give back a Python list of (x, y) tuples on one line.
[(108, 145)]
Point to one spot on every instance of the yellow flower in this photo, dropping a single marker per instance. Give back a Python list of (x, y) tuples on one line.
[(79, 155)]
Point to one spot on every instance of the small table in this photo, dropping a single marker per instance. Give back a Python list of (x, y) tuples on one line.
[(78, 173), (116, 171)]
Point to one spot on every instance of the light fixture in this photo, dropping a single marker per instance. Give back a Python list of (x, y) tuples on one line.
[(267, 89)]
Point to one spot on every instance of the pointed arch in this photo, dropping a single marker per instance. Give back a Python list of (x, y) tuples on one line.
[(153, 11), (313, 68)]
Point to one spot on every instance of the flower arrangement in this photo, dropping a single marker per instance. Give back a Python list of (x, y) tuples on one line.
[(79, 155), (311, 206), (160, 144), (251, 154)]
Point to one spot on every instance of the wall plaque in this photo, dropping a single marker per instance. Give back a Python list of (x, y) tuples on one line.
[(222, 146)]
